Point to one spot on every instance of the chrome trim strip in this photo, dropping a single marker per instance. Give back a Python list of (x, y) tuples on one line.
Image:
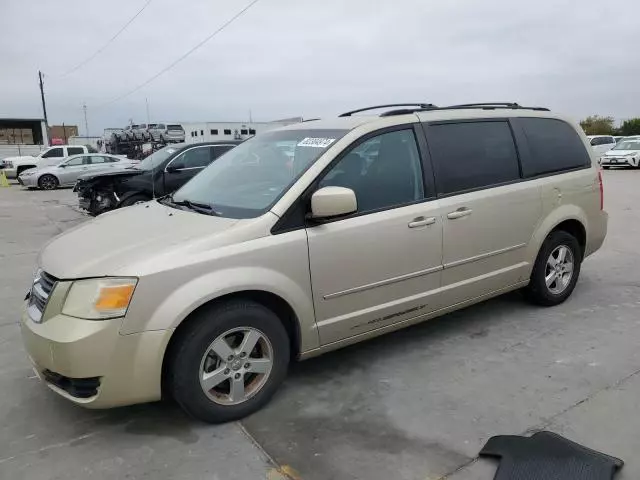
[(388, 281), (483, 256), (40, 291)]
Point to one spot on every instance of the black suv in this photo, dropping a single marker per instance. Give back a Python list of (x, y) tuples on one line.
[(159, 174)]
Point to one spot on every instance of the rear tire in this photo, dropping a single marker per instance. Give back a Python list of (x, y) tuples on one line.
[(551, 284), (132, 200), (48, 182), (194, 359)]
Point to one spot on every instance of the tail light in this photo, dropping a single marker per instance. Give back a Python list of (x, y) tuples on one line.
[(601, 190)]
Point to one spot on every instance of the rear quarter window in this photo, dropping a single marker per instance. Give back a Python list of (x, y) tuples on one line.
[(554, 146)]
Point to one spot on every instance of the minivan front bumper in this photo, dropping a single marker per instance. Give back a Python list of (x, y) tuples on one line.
[(91, 364)]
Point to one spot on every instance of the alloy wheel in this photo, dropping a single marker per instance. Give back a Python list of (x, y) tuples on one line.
[(48, 182), (236, 366), (559, 269)]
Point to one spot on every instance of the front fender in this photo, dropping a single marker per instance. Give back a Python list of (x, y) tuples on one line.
[(174, 308)]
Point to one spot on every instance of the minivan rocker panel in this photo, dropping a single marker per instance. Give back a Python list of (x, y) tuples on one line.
[(225, 262)]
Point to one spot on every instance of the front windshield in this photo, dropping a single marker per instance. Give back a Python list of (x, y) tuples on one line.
[(156, 158), (628, 145), (246, 181)]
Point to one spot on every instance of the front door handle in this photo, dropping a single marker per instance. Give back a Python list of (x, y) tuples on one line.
[(422, 221), (461, 212)]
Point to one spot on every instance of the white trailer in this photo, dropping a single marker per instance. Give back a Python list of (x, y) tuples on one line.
[(22, 136), (196, 132)]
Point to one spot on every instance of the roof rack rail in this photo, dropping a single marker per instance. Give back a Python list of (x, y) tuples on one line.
[(493, 106), (421, 106)]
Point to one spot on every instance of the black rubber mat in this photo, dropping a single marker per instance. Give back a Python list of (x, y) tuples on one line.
[(547, 456)]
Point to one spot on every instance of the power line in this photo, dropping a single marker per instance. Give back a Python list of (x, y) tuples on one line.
[(185, 55), (97, 52)]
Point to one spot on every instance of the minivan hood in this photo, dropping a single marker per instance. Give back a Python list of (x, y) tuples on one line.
[(128, 240)]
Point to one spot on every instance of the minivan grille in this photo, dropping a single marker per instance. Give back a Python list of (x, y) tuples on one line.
[(39, 296)]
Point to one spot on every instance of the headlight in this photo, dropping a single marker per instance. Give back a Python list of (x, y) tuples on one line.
[(26, 174), (99, 298)]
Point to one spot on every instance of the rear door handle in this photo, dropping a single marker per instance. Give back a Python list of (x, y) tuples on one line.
[(422, 221), (461, 212)]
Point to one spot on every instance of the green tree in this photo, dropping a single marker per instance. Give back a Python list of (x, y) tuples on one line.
[(630, 127), (597, 125)]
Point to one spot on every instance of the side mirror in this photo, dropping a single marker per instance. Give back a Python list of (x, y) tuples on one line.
[(332, 202), (175, 167)]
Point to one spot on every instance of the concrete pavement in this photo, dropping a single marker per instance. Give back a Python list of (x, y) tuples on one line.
[(416, 404)]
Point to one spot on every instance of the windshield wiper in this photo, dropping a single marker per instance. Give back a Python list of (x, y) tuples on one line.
[(195, 206)]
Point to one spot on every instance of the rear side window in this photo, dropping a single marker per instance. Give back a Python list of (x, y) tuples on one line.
[(554, 146), (75, 150), (471, 155), (53, 153)]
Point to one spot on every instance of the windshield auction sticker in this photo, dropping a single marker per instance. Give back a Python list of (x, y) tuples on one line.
[(316, 142)]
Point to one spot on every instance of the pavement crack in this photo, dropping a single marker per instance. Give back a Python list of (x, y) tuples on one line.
[(548, 421), (458, 469), (281, 469), (50, 447)]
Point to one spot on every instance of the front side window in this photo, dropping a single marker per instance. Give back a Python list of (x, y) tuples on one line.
[(471, 155), (74, 162), (554, 146), (194, 158), (247, 180), (156, 158), (97, 159), (54, 153), (390, 176), (75, 150)]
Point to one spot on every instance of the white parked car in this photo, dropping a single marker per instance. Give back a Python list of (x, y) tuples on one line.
[(14, 166), (601, 143), (66, 173), (625, 154)]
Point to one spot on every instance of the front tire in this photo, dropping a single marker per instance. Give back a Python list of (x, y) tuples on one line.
[(556, 270), (48, 182), (229, 361)]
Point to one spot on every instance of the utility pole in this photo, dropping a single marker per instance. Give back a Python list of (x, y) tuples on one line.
[(147, 102), (86, 124), (44, 105)]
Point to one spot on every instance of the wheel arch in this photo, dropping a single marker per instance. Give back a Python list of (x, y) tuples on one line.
[(134, 193), (22, 168), (278, 305), (569, 218)]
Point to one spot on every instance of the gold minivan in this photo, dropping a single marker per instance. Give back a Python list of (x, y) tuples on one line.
[(310, 238)]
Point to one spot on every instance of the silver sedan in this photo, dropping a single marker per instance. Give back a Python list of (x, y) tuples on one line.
[(67, 172)]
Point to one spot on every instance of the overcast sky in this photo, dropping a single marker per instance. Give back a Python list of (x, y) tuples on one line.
[(316, 58)]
